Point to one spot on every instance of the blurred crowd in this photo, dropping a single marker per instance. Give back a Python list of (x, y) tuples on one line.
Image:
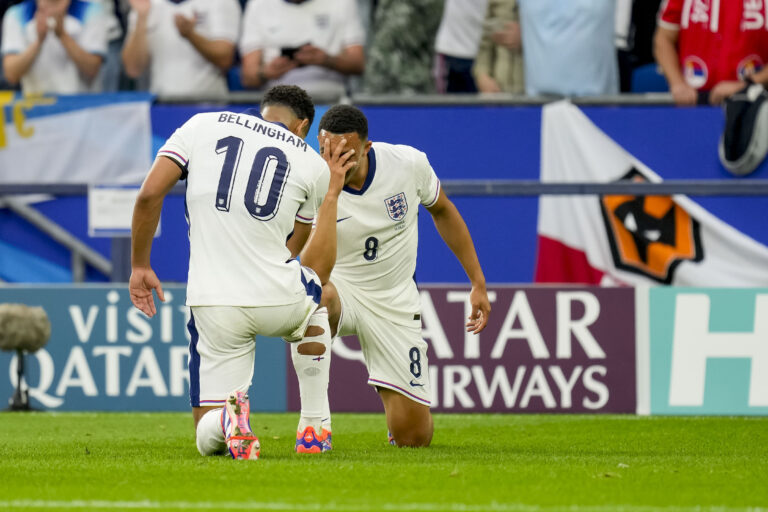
[(333, 47)]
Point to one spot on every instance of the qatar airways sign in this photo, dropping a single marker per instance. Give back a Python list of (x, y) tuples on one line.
[(545, 349)]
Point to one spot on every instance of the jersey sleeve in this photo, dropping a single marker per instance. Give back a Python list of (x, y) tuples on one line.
[(318, 189), (428, 186), (179, 146), (353, 34), (225, 20), (670, 14), (13, 32), (94, 36), (252, 38)]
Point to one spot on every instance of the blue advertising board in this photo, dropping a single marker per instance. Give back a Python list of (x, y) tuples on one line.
[(104, 354)]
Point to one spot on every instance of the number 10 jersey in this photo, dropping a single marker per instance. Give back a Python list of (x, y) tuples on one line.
[(248, 181)]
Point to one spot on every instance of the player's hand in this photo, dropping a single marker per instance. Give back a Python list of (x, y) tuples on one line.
[(481, 308), (339, 162), (683, 94), (724, 89), (41, 25), (185, 26), (143, 281), (309, 55), (278, 66), (140, 6)]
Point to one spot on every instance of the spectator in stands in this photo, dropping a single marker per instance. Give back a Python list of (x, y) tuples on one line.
[(109, 75), (568, 47), (4, 5), (458, 38), (188, 45), (636, 24), (499, 62), (53, 46), (313, 44), (708, 51), (402, 52)]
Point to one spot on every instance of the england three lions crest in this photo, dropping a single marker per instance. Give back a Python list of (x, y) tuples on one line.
[(397, 206)]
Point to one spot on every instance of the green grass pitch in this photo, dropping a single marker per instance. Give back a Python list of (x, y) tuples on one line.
[(478, 462)]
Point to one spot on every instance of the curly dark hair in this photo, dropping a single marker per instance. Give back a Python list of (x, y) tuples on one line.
[(293, 97), (345, 119)]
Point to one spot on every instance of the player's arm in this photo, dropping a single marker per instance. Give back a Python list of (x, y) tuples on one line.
[(298, 238), (146, 215), (455, 234)]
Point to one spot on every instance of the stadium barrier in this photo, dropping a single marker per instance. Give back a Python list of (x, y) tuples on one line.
[(659, 350)]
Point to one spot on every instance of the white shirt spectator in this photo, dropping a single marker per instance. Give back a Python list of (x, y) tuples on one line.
[(53, 71), (176, 66), (461, 28), (331, 25)]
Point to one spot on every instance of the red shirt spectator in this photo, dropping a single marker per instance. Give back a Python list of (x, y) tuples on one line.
[(717, 44)]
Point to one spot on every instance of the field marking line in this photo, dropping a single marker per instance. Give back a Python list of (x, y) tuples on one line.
[(339, 507)]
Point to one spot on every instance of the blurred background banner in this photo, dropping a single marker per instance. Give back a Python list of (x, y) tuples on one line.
[(75, 139), (545, 349), (621, 239)]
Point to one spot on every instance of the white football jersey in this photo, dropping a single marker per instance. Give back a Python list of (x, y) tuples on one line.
[(377, 230), (248, 180)]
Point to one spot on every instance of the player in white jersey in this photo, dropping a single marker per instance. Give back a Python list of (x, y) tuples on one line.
[(371, 292), (252, 183)]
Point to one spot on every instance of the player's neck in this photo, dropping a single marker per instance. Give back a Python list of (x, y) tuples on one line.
[(358, 180)]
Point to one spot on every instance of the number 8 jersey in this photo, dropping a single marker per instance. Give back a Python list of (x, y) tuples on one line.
[(248, 181), (377, 230)]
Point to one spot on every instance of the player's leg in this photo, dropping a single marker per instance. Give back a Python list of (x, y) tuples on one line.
[(410, 423), (220, 370), (311, 357), (396, 356)]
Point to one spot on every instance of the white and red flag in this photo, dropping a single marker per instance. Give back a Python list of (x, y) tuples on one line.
[(624, 239)]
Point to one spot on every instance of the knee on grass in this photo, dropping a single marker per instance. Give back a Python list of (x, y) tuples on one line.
[(413, 437)]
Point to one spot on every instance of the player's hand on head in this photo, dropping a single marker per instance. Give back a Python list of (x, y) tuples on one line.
[(140, 286), (339, 161), (481, 309)]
